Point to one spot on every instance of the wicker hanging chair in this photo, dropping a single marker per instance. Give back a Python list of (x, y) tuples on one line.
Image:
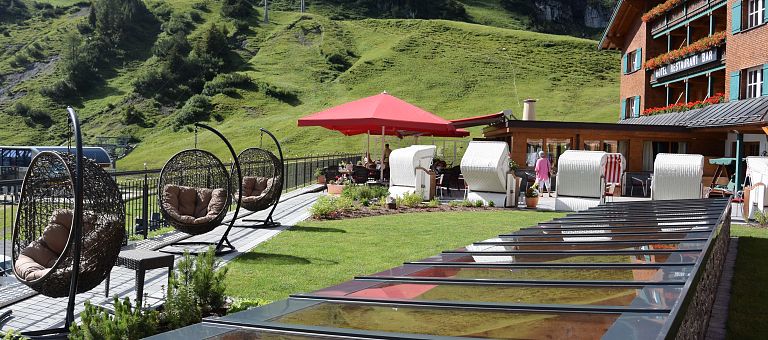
[(262, 182), (69, 226), (198, 176), (195, 193), (42, 234), (262, 179)]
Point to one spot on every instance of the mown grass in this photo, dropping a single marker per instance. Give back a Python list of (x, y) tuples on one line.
[(453, 69), (748, 311), (316, 254)]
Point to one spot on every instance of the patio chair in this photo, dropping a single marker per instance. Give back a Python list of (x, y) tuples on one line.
[(69, 226), (677, 176), (580, 180), (195, 192), (614, 173), (409, 170), (262, 184), (757, 170), (485, 167), (360, 174)]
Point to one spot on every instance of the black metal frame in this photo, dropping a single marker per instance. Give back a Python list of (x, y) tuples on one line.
[(223, 246), (76, 237), (269, 222)]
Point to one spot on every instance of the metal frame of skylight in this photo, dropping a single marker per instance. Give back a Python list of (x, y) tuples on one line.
[(672, 315)]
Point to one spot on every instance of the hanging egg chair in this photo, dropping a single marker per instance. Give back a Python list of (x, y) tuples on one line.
[(69, 226), (262, 182), (195, 193)]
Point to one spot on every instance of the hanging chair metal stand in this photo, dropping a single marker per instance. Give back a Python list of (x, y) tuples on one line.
[(53, 189), (223, 245), (269, 222)]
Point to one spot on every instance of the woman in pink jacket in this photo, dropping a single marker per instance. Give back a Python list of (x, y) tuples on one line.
[(543, 167)]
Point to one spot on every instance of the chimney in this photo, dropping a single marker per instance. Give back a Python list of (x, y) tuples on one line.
[(529, 109)]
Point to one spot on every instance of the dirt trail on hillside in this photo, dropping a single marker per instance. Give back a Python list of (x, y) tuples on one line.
[(11, 80)]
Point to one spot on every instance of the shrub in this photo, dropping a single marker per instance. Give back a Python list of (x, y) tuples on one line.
[(200, 6), (364, 192), (132, 116), (761, 218), (468, 203), (325, 207), (491, 204), (226, 84), (126, 323), (196, 109), (410, 200), (207, 282), (236, 8), (455, 204), (60, 91), (177, 24), (196, 288), (20, 60), (479, 204), (433, 203), (239, 304)]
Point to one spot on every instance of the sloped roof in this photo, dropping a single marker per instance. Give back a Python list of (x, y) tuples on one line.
[(733, 113)]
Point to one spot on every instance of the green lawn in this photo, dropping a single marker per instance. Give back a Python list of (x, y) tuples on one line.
[(316, 254), (748, 314)]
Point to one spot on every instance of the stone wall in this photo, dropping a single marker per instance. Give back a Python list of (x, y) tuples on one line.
[(696, 314)]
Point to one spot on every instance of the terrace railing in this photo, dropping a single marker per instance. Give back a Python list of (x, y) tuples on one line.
[(140, 191)]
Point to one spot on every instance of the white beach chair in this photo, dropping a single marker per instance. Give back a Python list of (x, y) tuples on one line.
[(409, 170), (580, 183), (677, 176), (485, 167), (757, 171)]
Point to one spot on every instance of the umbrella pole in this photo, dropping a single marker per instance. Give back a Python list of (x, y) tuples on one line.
[(383, 148), (368, 153)]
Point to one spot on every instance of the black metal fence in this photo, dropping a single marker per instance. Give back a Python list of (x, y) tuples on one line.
[(140, 192)]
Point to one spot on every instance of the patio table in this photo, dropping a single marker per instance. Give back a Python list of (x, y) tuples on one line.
[(140, 261)]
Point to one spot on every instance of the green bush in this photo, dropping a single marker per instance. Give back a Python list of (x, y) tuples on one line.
[(196, 288), (364, 192), (324, 207), (196, 109), (410, 200), (240, 304), (126, 323), (226, 84), (468, 203), (237, 8), (433, 203), (761, 217), (454, 204), (479, 204), (132, 116), (491, 204)]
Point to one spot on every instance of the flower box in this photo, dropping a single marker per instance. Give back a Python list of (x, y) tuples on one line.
[(335, 189)]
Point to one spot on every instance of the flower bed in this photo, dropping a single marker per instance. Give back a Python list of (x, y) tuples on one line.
[(374, 210), (660, 9), (715, 99), (700, 45)]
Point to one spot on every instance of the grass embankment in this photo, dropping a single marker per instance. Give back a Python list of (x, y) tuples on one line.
[(454, 69), (748, 311), (317, 254)]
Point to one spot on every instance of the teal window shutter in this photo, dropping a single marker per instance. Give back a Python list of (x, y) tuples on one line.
[(765, 15), (623, 109), (624, 64), (637, 106), (735, 82), (736, 17), (765, 80), (638, 59)]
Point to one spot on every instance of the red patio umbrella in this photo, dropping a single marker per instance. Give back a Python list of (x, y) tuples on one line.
[(385, 114)]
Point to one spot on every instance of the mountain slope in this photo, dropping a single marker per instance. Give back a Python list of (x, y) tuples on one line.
[(303, 63)]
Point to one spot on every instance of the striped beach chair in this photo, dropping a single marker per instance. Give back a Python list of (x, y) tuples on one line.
[(614, 174)]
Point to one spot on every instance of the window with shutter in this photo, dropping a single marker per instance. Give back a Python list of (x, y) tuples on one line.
[(754, 82), (636, 112), (638, 59), (624, 64), (765, 80), (755, 12)]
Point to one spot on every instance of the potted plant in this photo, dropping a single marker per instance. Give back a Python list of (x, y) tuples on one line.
[(335, 187), (532, 196), (320, 174), (513, 166)]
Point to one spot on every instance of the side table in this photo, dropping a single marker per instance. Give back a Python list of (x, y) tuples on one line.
[(140, 261)]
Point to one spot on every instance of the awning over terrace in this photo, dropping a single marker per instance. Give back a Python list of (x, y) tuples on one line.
[(616, 271)]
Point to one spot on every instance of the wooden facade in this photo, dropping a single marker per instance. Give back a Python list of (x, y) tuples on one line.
[(517, 133)]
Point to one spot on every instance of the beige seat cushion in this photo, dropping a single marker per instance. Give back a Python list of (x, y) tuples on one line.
[(193, 205), (249, 182), (56, 234), (28, 269)]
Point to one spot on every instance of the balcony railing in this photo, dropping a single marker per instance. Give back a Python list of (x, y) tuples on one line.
[(682, 13)]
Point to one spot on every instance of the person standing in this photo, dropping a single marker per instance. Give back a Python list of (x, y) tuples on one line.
[(543, 167)]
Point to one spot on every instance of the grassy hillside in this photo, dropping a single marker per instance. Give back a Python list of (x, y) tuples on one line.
[(450, 68)]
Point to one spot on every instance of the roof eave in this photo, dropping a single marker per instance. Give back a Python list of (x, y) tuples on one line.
[(601, 44)]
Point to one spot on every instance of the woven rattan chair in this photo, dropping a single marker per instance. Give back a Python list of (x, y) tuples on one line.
[(262, 182), (195, 193), (69, 227)]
